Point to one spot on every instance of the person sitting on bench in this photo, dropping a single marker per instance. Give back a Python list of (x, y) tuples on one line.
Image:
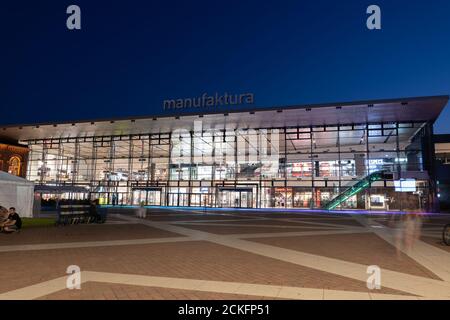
[(14, 222), (4, 213)]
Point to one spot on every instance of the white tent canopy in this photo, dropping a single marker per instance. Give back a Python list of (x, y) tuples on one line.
[(16, 192)]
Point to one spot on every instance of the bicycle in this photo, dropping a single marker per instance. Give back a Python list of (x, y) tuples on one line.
[(446, 235)]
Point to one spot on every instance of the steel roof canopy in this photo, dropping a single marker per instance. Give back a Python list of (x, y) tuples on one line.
[(374, 111)]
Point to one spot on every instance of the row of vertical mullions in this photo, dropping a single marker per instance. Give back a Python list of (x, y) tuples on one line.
[(160, 139)]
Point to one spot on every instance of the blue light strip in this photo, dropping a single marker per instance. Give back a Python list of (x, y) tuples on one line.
[(271, 210)]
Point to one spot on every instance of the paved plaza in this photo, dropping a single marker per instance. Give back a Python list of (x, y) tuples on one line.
[(230, 254)]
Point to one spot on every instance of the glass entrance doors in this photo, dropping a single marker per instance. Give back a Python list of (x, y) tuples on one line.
[(236, 198), (178, 199), (149, 197), (201, 200)]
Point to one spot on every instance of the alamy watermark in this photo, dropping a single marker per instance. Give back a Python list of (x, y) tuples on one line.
[(74, 279), (374, 279), (73, 21), (225, 145), (374, 20)]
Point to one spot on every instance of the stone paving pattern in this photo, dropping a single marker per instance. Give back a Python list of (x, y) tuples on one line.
[(198, 245)]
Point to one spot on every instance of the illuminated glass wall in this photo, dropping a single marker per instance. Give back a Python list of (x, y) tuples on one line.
[(302, 167)]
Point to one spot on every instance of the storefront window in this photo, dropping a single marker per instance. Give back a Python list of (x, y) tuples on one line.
[(302, 198)]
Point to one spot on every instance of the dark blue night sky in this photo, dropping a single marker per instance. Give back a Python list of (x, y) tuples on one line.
[(130, 55)]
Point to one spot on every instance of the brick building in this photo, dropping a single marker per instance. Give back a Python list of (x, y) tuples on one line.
[(13, 159)]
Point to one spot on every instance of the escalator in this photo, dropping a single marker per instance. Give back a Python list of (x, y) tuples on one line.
[(356, 188)]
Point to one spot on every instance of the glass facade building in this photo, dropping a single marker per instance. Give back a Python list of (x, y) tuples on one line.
[(361, 156)]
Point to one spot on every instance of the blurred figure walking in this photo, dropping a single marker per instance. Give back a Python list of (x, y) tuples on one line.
[(408, 232), (141, 211)]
